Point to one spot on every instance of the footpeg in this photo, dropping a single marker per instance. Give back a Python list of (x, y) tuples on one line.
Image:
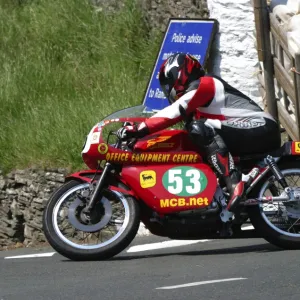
[(249, 178), (226, 215)]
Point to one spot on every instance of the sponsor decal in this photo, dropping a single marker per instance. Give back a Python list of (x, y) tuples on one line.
[(245, 124), (149, 157), (103, 123), (297, 147), (214, 161), (117, 157), (184, 181), (95, 138), (231, 162), (147, 179), (182, 202), (102, 148), (162, 145), (100, 125), (155, 142)]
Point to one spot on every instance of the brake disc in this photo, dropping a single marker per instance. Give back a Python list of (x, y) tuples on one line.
[(73, 219)]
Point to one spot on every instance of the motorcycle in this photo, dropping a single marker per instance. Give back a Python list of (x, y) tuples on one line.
[(163, 181)]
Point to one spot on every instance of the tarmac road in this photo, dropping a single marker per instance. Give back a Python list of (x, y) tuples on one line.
[(217, 269)]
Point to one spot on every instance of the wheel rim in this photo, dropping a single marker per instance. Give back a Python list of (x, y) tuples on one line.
[(278, 210), (105, 226)]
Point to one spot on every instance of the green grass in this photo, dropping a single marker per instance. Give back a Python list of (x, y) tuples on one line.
[(63, 66)]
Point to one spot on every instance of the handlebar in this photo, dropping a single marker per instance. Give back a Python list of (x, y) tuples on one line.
[(119, 141), (186, 118)]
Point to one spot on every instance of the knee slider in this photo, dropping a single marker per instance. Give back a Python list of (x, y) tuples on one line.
[(216, 145), (200, 133)]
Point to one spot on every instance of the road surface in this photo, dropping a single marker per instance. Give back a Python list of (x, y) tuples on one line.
[(156, 268)]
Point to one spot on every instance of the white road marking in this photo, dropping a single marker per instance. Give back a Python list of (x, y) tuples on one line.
[(31, 255), (247, 227), (197, 283), (138, 248), (166, 244)]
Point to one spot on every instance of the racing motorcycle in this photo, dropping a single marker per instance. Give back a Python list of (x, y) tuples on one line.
[(163, 181)]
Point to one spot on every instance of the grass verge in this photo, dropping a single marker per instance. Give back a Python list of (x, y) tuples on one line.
[(63, 67)]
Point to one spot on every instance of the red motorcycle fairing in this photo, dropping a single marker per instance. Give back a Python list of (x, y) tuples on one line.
[(164, 147), (85, 175), (164, 188), (118, 183), (166, 140), (171, 188)]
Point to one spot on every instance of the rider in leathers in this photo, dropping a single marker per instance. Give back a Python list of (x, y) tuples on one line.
[(226, 122)]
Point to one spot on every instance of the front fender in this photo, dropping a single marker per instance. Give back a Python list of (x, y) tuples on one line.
[(85, 176), (116, 183)]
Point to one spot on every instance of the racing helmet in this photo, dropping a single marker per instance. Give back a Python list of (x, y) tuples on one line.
[(177, 72)]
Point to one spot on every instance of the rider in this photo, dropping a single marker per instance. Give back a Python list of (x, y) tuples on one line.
[(226, 122)]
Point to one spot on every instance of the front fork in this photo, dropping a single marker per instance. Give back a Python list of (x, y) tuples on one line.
[(100, 184), (98, 189)]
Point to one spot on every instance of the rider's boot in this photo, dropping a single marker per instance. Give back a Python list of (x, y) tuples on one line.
[(235, 187), (222, 162)]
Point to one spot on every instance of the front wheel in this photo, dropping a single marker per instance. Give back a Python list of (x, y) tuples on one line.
[(279, 223), (112, 226)]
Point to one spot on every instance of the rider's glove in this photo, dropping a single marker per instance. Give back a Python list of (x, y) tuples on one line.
[(127, 132), (133, 131)]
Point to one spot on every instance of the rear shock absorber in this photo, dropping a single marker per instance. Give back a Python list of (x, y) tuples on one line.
[(276, 171)]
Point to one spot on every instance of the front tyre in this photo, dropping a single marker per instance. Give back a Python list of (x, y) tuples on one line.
[(113, 224), (278, 223)]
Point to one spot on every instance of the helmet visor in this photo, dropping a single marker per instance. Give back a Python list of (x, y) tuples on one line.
[(166, 89), (169, 92)]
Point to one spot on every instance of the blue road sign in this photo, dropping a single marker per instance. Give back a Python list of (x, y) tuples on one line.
[(182, 35)]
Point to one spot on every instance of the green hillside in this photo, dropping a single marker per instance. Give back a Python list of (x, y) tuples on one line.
[(63, 67)]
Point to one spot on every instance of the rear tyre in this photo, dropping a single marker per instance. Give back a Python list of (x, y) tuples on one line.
[(272, 220), (123, 225)]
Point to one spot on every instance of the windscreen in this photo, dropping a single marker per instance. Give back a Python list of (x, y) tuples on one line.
[(139, 111)]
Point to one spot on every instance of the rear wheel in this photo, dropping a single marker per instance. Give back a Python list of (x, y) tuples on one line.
[(112, 226), (279, 223)]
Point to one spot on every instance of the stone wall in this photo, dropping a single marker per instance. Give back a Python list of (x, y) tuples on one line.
[(23, 194), (158, 12)]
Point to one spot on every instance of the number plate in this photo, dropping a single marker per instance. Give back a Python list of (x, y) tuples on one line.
[(296, 148)]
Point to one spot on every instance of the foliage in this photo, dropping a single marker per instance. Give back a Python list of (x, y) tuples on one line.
[(64, 66)]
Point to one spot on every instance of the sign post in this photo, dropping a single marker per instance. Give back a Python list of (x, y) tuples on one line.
[(191, 36)]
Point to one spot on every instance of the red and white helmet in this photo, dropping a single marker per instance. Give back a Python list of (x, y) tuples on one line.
[(176, 74)]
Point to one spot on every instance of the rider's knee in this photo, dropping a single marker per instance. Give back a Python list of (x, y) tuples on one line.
[(200, 133)]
